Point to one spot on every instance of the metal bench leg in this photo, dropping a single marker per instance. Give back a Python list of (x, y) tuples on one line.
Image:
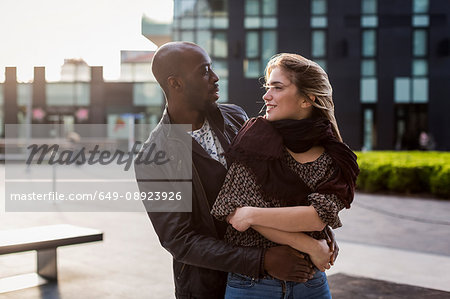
[(46, 264)]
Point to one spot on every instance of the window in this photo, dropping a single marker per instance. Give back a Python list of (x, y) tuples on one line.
[(147, 94), (368, 90), (318, 43), (369, 130), (420, 67), (369, 43), (369, 7), (368, 68), (260, 37), (68, 94), (420, 90), (402, 90), (420, 6), (318, 7), (420, 42)]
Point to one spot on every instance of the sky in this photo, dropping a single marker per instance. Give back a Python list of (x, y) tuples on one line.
[(45, 32)]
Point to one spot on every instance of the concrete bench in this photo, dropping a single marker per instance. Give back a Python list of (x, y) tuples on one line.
[(45, 240)]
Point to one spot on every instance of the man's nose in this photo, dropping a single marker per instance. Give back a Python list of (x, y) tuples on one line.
[(214, 76)]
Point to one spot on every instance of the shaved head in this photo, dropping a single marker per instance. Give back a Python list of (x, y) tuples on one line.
[(169, 60)]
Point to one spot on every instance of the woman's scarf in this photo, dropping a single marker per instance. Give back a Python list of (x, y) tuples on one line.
[(260, 146)]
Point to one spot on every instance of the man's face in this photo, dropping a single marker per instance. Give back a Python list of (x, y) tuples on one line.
[(201, 88)]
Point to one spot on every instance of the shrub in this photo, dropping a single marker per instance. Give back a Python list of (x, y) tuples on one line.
[(405, 172)]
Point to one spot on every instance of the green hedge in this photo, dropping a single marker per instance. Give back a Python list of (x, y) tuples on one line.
[(405, 172)]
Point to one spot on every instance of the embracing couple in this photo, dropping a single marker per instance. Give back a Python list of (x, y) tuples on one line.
[(266, 190)]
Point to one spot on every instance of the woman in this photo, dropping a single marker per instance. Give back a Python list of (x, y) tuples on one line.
[(291, 175)]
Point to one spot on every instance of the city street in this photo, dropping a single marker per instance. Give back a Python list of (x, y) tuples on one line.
[(394, 239)]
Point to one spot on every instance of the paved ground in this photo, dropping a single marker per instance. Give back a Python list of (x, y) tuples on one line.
[(391, 247)]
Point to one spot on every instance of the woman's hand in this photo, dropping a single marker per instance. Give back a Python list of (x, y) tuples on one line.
[(321, 255), (240, 218)]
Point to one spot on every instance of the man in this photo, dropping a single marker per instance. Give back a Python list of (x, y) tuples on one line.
[(195, 240)]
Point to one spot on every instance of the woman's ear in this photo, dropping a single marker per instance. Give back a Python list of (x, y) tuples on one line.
[(305, 103)]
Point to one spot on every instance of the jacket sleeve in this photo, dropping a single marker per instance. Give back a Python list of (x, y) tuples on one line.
[(187, 245), (197, 246)]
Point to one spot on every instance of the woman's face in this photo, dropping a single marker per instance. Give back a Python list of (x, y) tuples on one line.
[(282, 99)]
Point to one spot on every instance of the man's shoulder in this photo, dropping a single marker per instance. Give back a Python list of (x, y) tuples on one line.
[(232, 109)]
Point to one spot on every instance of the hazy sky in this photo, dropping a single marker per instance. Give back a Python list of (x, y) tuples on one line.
[(44, 32)]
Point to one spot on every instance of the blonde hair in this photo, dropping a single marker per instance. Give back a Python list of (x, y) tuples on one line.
[(311, 80)]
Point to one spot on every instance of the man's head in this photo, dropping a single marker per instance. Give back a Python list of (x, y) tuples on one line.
[(184, 72)]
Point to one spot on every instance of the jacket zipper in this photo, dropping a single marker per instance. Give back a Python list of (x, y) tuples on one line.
[(181, 271)]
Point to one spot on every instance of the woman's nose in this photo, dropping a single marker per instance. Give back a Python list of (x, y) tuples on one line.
[(267, 96)]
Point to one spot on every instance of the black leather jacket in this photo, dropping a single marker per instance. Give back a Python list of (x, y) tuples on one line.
[(200, 257)]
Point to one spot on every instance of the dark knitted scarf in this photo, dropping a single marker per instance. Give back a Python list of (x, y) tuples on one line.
[(260, 146)]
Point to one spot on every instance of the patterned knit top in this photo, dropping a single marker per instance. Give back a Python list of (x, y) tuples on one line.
[(240, 189)]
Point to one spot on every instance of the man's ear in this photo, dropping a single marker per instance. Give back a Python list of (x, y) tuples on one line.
[(174, 83)]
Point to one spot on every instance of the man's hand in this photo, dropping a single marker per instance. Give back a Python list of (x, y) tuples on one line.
[(239, 219), (286, 263), (331, 240)]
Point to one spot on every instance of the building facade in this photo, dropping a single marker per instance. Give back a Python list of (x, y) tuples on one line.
[(388, 60)]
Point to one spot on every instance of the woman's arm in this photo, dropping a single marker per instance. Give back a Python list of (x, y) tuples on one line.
[(288, 219), (318, 250)]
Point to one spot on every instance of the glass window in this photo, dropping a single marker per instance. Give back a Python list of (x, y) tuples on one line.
[(252, 44), (368, 129), (251, 7), (402, 90), (252, 22), (220, 67), (252, 68), (82, 94), (368, 67), (369, 6), (318, 7), (420, 43), (203, 23), (218, 7), (319, 22), (220, 46), (318, 43), (24, 93), (369, 43), (147, 94), (220, 23), (269, 7), (420, 90), (186, 8), (204, 38), (223, 90), (187, 23), (269, 22), (187, 36), (203, 8), (269, 45), (369, 90), (420, 67), (369, 21), (420, 6), (68, 94), (421, 21)]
